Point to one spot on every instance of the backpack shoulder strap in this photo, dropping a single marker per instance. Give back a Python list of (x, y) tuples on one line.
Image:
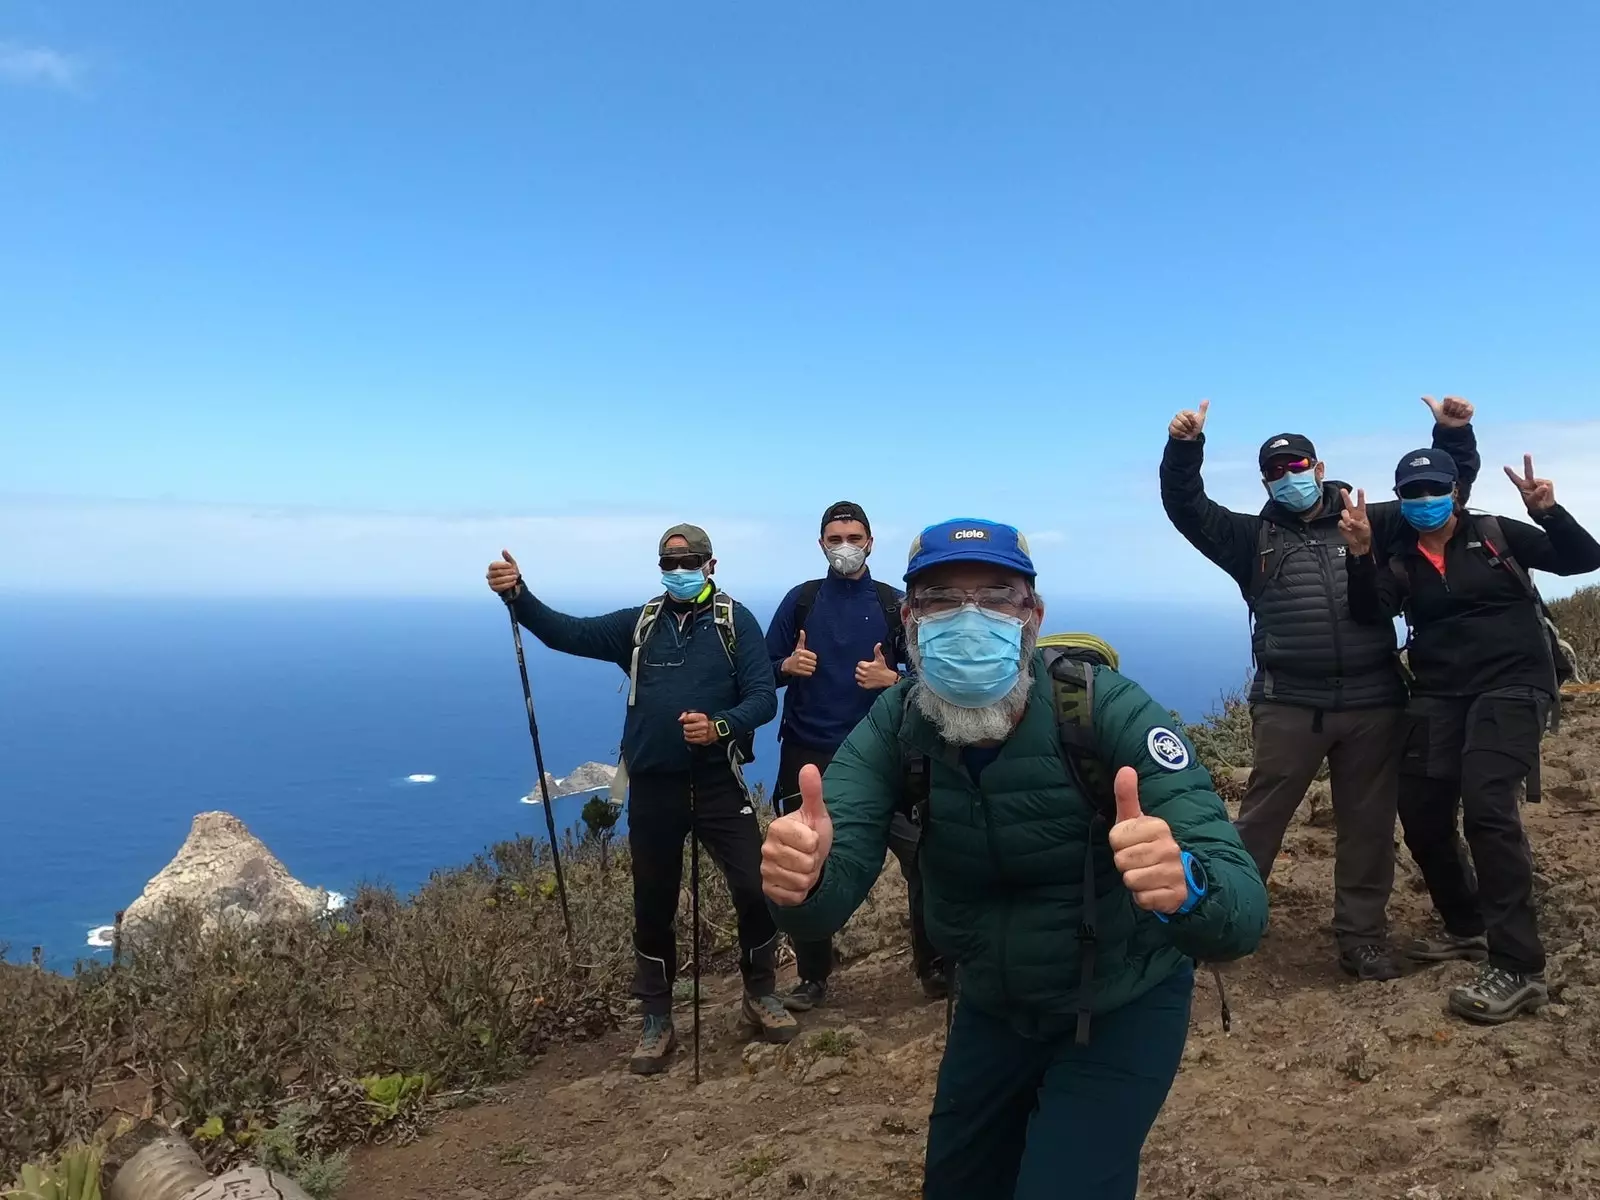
[(804, 602), (1072, 693), (1269, 559), (889, 601), (1487, 528), (641, 634), (722, 617)]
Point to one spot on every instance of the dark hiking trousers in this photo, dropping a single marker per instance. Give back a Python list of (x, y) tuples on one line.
[(1051, 1120), (1362, 747), (658, 826), (1471, 753), (813, 961)]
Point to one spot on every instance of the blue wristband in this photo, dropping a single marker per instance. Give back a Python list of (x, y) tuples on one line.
[(1194, 874)]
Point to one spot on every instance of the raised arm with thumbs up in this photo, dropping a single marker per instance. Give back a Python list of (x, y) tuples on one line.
[(797, 845), (1146, 852)]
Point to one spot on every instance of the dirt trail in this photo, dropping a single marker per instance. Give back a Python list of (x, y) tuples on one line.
[(1324, 1088)]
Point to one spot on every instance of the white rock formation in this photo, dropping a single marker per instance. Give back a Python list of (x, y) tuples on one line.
[(590, 777), (230, 875)]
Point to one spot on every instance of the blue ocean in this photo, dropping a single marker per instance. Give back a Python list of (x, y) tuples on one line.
[(121, 719)]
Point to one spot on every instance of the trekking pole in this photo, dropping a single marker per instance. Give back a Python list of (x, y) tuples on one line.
[(694, 909), (544, 780)]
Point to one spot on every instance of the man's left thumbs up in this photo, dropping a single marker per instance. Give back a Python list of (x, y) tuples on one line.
[(1146, 852), (876, 674)]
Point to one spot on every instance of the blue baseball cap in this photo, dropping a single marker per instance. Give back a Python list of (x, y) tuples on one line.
[(968, 539), (1426, 466)]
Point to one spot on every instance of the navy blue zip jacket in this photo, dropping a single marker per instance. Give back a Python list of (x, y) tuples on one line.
[(681, 669), (844, 625)]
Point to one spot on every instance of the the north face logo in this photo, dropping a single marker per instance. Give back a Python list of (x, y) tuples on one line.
[(1420, 462), (967, 535), (1279, 442)]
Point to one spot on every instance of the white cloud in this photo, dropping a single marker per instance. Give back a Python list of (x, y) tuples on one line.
[(39, 66)]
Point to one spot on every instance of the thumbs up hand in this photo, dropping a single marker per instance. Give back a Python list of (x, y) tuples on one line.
[(797, 845), (1145, 851), (876, 674), (802, 664), (503, 574)]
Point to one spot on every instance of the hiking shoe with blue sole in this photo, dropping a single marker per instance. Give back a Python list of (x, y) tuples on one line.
[(1498, 995)]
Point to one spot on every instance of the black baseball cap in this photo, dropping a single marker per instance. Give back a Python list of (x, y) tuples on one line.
[(1287, 445), (846, 510), (1426, 466)]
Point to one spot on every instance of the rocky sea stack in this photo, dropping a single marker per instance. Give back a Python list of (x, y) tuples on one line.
[(229, 875)]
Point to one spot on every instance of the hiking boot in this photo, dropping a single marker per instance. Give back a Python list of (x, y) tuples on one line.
[(768, 1019), (1447, 946), (656, 1044), (935, 983), (1498, 995), (1370, 964), (807, 994)]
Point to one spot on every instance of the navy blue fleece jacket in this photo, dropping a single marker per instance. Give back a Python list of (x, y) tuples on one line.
[(683, 668), (845, 624)]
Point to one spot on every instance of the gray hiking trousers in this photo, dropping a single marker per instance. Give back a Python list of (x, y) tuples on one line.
[(1363, 752)]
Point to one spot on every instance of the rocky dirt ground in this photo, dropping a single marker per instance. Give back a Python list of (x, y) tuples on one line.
[(1324, 1087)]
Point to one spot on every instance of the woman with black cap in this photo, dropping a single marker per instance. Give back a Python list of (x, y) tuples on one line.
[(1486, 669)]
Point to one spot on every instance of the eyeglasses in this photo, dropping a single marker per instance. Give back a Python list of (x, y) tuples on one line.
[(1279, 467), (682, 562), (1006, 601), (1424, 488)]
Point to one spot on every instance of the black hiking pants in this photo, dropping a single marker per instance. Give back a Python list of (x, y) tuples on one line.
[(1470, 754), (658, 826), (813, 961), (1362, 747)]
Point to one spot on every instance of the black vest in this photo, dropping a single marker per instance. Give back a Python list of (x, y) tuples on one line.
[(1309, 651)]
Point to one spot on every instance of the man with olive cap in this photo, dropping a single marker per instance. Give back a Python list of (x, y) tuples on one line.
[(1072, 919), (700, 685), (836, 643)]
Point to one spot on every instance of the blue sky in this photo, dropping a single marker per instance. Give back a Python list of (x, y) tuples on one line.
[(312, 299)]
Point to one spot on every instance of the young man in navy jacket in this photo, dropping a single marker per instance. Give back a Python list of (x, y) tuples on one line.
[(700, 686), (836, 643)]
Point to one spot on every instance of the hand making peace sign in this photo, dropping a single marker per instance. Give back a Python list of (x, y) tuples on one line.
[(1538, 494)]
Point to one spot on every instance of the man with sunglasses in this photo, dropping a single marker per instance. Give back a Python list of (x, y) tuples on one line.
[(1326, 687), (1485, 669), (836, 643), (701, 685), (1073, 927)]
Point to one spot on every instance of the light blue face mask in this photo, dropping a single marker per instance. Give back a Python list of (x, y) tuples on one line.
[(683, 585), (1427, 513), (1296, 491), (970, 657)]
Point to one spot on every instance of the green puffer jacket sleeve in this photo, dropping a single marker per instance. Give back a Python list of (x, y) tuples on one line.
[(860, 788), (1134, 731)]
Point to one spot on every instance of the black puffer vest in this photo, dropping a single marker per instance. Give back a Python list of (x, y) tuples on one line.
[(1309, 651)]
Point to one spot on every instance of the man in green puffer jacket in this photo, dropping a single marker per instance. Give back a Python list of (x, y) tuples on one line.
[(1048, 1087)]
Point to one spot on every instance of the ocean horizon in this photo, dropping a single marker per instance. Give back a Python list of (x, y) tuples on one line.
[(361, 741)]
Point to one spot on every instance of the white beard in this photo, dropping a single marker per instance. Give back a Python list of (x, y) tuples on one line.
[(969, 726)]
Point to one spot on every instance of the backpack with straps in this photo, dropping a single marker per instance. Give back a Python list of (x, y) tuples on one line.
[(1484, 533), (894, 642), (1070, 659), (722, 618)]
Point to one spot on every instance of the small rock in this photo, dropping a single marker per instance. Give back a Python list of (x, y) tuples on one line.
[(826, 1068), (833, 1089)]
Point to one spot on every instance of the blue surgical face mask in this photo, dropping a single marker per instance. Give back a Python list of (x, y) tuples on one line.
[(683, 585), (1297, 491), (970, 657), (1427, 513)]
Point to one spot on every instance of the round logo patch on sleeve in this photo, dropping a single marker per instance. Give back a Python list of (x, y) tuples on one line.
[(1167, 749)]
